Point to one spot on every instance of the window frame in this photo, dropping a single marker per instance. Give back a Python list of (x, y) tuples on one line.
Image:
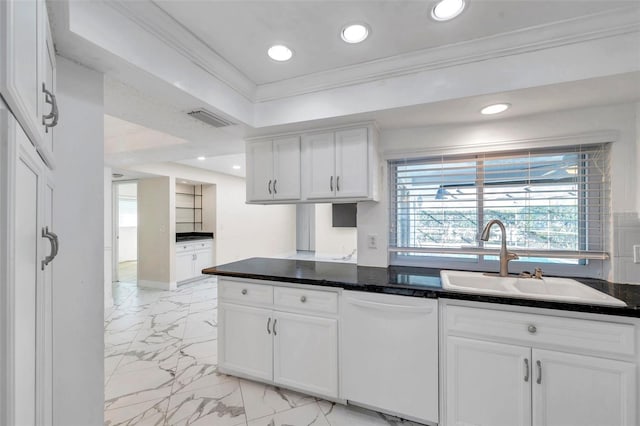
[(585, 267)]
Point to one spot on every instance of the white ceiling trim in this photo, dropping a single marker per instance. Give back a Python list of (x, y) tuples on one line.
[(151, 18), (156, 21), (612, 23)]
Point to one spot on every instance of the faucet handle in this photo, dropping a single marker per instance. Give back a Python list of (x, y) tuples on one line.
[(537, 274)]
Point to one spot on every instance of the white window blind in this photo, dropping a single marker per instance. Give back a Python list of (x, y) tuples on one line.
[(553, 202)]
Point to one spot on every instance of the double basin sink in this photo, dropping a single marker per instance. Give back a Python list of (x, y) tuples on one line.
[(547, 288)]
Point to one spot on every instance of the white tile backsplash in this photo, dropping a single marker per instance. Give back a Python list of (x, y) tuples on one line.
[(626, 234)]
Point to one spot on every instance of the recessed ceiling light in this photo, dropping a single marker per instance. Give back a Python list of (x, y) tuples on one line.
[(280, 53), (184, 181), (447, 9), (494, 109), (355, 33), (201, 158), (235, 167)]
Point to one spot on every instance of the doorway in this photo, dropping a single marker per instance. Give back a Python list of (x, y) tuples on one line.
[(125, 227)]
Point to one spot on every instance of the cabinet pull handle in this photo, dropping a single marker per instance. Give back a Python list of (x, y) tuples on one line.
[(526, 369), (53, 239), (532, 329), (268, 324), (303, 299), (539, 379), (331, 183), (338, 183), (50, 98), (275, 191), (269, 186), (275, 332), (244, 291)]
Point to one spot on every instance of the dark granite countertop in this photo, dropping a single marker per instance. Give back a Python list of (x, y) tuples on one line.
[(410, 281), (182, 237)]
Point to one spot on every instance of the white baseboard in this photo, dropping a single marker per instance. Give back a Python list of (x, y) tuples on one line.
[(157, 285)]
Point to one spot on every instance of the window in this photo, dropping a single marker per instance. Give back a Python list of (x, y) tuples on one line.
[(553, 203)]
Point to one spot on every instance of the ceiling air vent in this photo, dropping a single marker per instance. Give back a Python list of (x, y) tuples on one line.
[(210, 118)]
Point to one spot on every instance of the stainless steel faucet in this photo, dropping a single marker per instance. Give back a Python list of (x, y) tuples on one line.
[(505, 256)]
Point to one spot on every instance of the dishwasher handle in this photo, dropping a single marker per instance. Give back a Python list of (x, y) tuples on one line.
[(389, 306)]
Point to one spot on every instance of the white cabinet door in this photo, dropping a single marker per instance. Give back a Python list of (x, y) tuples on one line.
[(306, 353), (319, 165), (352, 163), (575, 390), (389, 353), (21, 34), (286, 177), (30, 205), (260, 171), (48, 59), (203, 260), (487, 383), (184, 266), (245, 341)]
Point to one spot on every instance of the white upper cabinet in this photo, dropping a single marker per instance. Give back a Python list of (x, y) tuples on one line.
[(319, 152), (352, 163), (27, 70), (259, 171), (273, 170), (337, 165), (286, 169)]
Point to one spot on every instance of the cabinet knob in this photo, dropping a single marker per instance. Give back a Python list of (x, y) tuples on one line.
[(244, 291), (532, 329), (303, 299)]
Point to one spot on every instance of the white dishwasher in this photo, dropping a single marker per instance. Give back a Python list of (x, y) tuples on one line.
[(390, 354)]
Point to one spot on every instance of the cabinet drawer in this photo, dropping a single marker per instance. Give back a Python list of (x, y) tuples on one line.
[(183, 247), (306, 300), (245, 293), (533, 329), (203, 245)]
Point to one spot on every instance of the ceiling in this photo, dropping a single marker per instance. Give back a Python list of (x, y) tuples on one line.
[(169, 57), (242, 31)]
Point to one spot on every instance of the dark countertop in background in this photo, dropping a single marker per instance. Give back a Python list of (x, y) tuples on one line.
[(410, 281), (192, 236)]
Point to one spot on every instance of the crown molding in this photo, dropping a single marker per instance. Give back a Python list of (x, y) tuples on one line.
[(570, 31), (153, 19)]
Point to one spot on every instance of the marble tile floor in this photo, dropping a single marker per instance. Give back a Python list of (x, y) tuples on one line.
[(160, 366)]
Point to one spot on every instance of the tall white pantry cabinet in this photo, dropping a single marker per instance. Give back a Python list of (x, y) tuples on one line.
[(28, 116)]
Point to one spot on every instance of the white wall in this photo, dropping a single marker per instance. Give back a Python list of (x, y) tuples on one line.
[(616, 122), (78, 290), (156, 233), (242, 230), (332, 241)]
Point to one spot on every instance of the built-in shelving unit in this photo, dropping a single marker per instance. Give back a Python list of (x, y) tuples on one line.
[(188, 208)]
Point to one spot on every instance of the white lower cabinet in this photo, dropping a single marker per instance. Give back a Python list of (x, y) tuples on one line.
[(248, 344), (305, 353), (192, 257), (487, 383), (575, 390), (296, 349), (529, 376)]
